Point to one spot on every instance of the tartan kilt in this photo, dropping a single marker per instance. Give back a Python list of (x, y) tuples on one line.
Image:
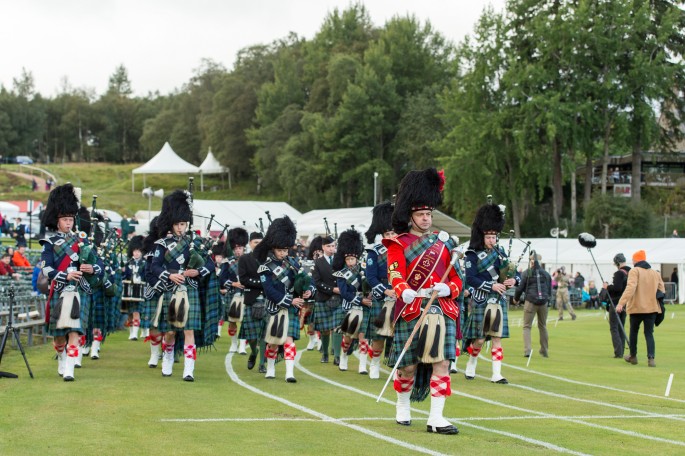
[(474, 322), (52, 327), (95, 310), (224, 301), (147, 312), (309, 315), (194, 322), (131, 306), (252, 329), (293, 323), (326, 318), (375, 311), (404, 328)]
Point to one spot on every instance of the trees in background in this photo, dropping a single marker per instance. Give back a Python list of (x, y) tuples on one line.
[(531, 96)]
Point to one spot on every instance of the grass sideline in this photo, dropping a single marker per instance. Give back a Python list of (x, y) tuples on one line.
[(117, 405)]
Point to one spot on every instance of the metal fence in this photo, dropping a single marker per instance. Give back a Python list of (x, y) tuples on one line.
[(671, 292)]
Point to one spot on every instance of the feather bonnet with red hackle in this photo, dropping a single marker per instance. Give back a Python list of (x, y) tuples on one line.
[(176, 207), (238, 237), (419, 190), (135, 243)]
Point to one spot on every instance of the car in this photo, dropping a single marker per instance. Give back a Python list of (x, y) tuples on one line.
[(24, 160)]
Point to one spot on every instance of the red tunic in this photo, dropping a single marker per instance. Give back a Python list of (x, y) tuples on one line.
[(399, 249)]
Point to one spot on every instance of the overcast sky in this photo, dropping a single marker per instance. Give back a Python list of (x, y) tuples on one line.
[(161, 42)]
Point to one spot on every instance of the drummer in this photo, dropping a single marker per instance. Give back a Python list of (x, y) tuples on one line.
[(134, 273)]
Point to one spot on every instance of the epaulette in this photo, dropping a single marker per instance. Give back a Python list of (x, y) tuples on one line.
[(341, 274), (263, 268)]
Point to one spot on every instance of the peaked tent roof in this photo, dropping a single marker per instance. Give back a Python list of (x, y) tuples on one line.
[(167, 162), (311, 223), (211, 165)]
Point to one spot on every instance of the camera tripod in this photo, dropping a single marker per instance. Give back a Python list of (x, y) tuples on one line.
[(9, 329)]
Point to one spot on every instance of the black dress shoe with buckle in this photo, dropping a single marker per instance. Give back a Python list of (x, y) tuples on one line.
[(404, 423), (445, 430), (291, 380), (251, 361), (502, 381)]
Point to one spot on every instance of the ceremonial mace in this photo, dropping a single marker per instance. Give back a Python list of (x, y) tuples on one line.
[(588, 241), (455, 255)]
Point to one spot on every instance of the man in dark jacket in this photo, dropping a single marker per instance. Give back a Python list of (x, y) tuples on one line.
[(537, 285), (255, 317), (615, 291), (328, 307)]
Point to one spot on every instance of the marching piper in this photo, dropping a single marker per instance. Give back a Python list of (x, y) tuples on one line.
[(486, 266), (417, 261), (176, 268), (381, 318), (237, 241), (277, 273), (327, 308), (67, 260), (314, 252), (134, 273), (255, 316), (355, 306), (152, 293)]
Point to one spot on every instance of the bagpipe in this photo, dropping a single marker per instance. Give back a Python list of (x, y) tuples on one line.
[(302, 283)]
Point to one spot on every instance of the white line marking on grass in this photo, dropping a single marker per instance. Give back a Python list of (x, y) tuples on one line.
[(232, 374), (577, 382), (385, 418), (546, 445), (575, 420)]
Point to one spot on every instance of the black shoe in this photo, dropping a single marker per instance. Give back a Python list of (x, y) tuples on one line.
[(544, 354), (262, 369), (561, 318), (68, 379), (251, 361), (445, 430), (291, 380), (468, 378), (526, 355), (324, 358), (188, 378), (404, 423), (336, 361), (502, 381)]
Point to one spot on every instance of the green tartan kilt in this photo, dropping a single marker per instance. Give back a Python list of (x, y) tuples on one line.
[(402, 331), (474, 322), (326, 318), (194, 322), (94, 311), (375, 311), (52, 327), (250, 328), (147, 312), (132, 306), (224, 301)]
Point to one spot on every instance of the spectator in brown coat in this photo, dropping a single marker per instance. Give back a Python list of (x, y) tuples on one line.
[(639, 301)]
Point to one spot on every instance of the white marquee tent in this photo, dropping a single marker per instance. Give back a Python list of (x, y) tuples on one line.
[(312, 224), (210, 166), (165, 162), (663, 254), (233, 213)]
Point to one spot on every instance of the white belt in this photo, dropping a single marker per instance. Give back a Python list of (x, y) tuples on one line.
[(424, 293)]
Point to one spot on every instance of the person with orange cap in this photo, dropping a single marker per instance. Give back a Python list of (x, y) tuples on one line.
[(640, 302)]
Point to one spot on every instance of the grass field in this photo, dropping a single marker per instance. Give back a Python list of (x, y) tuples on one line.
[(580, 400)]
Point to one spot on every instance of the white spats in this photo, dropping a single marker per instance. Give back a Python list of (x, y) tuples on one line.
[(375, 368), (435, 419), (190, 354), (70, 362), (167, 359), (313, 341), (470, 371), (403, 409), (234, 345), (133, 332), (242, 347), (155, 351), (270, 368), (290, 371), (343, 360), (95, 350)]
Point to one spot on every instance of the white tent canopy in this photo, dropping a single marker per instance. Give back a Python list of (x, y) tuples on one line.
[(165, 162), (210, 166), (663, 254), (9, 211), (233, 213), (312, 224)]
